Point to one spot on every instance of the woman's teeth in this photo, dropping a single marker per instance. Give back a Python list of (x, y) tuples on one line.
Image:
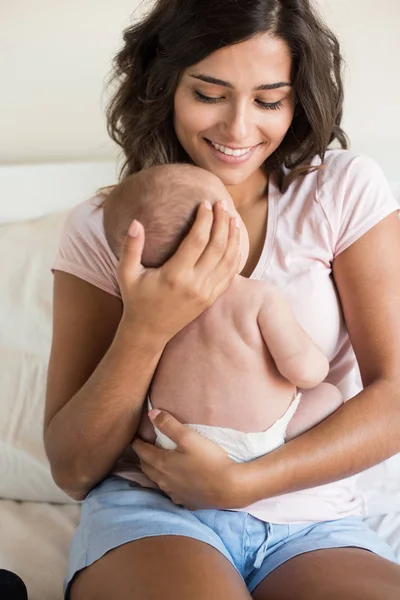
[(230, 151)]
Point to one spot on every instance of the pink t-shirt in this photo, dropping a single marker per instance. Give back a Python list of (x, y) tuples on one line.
[(316, 219)]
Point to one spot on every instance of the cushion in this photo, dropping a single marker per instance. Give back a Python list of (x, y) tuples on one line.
[(27, 250), (34, 543)]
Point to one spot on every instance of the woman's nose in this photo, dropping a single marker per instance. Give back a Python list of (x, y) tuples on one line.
[(238, 123)]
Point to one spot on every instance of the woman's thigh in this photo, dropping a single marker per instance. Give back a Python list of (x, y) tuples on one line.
[(332, 574), (168, 567)]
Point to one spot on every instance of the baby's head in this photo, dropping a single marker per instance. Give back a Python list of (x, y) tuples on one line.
[(165, 200)]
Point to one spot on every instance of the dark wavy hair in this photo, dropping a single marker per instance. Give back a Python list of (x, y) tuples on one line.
[(177, 34)]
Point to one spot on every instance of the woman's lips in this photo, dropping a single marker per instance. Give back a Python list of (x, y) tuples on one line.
[(230, 158)]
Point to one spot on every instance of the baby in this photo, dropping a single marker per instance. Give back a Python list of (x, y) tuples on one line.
[(233, 373)]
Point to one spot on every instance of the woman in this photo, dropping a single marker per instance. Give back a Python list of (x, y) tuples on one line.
[(252, 92)]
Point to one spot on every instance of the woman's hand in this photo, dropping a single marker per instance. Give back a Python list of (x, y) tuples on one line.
[(198, 474), (167, 299)]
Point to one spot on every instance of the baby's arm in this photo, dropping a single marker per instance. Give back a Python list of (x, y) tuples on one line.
[(296, 356)]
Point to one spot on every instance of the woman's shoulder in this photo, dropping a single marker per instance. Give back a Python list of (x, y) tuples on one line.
[(336, 170), (342, 159), (342, 198), (340, 181), (83, 249), (345, 177), (354, 194), (341, 167), (332, 173)]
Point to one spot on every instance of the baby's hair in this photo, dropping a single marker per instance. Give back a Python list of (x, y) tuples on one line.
[(165, 200)]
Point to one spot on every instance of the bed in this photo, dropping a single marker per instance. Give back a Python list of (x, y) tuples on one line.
[(37, 520)]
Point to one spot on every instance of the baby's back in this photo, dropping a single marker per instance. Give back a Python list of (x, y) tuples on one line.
[(218, 371)]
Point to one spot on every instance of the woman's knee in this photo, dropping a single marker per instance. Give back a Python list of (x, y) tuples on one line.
[(335, 573), (171, 567)]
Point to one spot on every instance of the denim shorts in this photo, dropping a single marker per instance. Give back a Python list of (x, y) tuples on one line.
[(118, 511)]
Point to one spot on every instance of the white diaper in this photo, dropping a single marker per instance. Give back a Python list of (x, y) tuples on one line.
[(240, 446)]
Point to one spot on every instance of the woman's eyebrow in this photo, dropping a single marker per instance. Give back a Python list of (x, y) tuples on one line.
[(266, 86)]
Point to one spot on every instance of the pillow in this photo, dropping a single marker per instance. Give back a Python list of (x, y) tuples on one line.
[(27, 250)]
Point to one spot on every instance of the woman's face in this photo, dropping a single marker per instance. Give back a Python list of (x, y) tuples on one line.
[(233, 109)]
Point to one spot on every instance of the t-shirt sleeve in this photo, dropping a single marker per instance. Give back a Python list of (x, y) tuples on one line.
[(83, 249), (355, 196)]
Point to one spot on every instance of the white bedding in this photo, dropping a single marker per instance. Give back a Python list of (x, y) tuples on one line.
[(388, 527), (34, 541), (35, 532)]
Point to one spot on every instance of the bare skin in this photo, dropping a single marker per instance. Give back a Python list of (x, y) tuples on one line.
[(199, 571), (169, 567), (332, 574)]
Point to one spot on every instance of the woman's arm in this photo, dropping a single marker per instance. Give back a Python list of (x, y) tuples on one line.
[(96, 383), (365, 430), (103, 356)]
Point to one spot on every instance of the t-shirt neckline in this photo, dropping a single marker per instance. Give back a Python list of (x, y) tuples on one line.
[(270, 233)]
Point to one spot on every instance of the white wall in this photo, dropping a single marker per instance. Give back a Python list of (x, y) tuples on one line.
[(55, 56), (369, 31)]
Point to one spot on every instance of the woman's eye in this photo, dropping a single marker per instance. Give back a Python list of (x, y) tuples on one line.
[(264, 105), (206, 99), (270, 105)]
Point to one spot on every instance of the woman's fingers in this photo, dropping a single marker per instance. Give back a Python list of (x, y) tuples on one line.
[(189, 282), (194, 244), (131, 254), (216, 248), (150, 472), (229, 264), (214, 243)]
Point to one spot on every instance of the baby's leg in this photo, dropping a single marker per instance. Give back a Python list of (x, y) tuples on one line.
[(315, 405)]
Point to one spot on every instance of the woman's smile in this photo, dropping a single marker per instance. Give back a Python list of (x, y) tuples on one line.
[(230, 154)]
